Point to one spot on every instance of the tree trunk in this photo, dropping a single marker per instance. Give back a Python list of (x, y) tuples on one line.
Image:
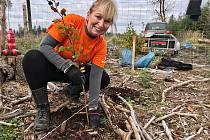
[(3, 7)]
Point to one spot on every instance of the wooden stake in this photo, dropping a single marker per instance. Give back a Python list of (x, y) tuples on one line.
[(133, 51), (86, 106)]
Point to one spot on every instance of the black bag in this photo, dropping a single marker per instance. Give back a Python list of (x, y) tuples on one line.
[(167, 63)]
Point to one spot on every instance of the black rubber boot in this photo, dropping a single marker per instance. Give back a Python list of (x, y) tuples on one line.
[(43, 115), (94, 117), (72, 92)]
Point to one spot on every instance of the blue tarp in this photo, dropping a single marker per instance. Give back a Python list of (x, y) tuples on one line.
[(187, 45), (142, 62)]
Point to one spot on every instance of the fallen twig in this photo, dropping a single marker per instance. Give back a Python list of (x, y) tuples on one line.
[(187, 114), (12, 114), (181, 84), (130, 130), (28, 114), (126, 78), (26, 98), (117, 130), (118, 107), (5, 123), (52, 87), (141, 130), (198, 133), (29, 127), (175, 113), (1, 101), (5, 97), (174, 109), (150, 121), (128, 137), (167, 130), (135, 129), (60, 106)]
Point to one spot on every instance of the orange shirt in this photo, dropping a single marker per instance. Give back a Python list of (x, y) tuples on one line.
[(89, 49)]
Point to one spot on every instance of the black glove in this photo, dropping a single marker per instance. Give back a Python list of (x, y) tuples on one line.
[(72, 92), (75, 76)]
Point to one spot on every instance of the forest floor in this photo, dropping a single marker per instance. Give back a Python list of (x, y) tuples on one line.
[(161, 99)]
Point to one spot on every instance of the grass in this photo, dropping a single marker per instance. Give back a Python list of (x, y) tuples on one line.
[(130, 101), (190, 36), (9, 132), (28, 42), (145, 79)]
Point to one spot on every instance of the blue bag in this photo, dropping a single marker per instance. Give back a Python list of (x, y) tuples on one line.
[(144, 61), (126, 57)]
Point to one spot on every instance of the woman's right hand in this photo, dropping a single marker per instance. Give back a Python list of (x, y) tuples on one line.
[(75, 76)]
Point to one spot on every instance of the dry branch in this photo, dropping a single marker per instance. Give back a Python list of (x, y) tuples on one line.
[(187, 114), (126, 78), (149, 122), (52, 87), (5, 123), (198, 133), (175, 113), (135, 129), (117, 130), (29, 127), (28, 114), (167, 130), (118, 107), (12, 114), (181, 84), (128, 137), (26, 98), (60, 106), (174, 109), (141, 130), (5, 97)]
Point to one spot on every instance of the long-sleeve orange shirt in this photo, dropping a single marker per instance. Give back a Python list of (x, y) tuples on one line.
[(89, 49)]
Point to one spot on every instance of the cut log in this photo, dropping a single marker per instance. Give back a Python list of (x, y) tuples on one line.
[(19, 74), (2, 77), (7, 72), (204, 40)]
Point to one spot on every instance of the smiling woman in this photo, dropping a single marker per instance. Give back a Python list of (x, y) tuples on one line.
[(71, 36), (101, 15)]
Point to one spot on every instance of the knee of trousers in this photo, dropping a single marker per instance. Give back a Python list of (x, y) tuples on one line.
[(32, 59)]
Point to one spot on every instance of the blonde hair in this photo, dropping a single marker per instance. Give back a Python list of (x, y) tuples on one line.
[(109, 6)]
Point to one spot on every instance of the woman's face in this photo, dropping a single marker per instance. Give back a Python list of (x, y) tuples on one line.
[(96, 24)]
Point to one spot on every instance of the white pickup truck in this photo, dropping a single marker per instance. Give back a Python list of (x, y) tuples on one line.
[(160, 39)]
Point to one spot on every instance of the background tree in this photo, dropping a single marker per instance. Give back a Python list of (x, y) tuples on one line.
[(161, 8), (184, 23), (3, 5)]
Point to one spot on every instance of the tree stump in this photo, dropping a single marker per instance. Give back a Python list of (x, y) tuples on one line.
[(11, 69), (2, 77), (19, 74), (6, 73)]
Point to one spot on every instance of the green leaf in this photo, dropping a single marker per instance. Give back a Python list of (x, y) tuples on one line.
[(61, 49), (77, 55), (69, 48)]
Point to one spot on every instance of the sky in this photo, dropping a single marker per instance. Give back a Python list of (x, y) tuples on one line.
[(139, 12)]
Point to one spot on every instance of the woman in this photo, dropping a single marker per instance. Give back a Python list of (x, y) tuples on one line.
[(51, 64)]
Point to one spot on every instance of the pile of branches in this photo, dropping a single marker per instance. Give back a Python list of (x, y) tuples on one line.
[(127, 125), (133, 126)]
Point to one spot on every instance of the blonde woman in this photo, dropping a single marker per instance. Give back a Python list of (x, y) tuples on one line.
[(48, 64)]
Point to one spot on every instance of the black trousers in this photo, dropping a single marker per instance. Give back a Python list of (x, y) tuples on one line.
[(38, 71)]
